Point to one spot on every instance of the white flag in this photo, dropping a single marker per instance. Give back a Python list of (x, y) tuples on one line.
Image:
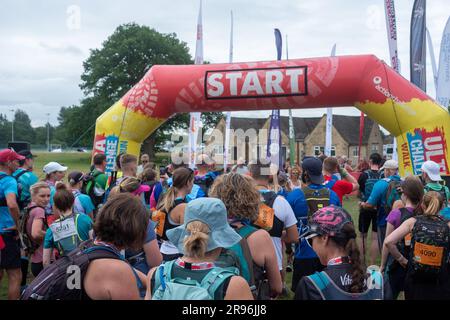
[(329, 125), (195, 117), (433, 59), (443, 79), (228, 121)]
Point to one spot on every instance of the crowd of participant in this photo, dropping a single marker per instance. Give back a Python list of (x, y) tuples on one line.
[(207, 234)]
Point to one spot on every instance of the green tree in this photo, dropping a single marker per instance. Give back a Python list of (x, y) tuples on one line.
[(109, 72), (23, 131)]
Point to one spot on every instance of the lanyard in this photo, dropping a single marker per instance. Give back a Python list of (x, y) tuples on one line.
[(194, 266), (338, 261)]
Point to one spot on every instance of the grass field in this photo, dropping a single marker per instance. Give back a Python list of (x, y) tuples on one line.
[(81, 161)]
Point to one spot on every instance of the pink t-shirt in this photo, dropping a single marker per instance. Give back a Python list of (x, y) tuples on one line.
[(36, 213), (395, 216)]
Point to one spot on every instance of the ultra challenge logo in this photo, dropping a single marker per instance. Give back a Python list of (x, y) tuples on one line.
[(423, 146)]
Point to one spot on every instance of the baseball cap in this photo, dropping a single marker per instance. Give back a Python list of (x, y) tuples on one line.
[(432, 169), (328, 221), (7, 155), (313, 166), (75, 177), (53, 167), (27, 154), (390, 164)]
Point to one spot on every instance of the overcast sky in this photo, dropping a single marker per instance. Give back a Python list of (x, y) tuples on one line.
[(43, 43)]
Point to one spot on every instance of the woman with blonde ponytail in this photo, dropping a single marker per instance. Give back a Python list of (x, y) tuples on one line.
[(194, 275), (332, 235), (427, 275), (411, 194), (170, 210)]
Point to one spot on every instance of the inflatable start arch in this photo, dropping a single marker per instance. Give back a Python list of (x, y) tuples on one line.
[(421, 126)]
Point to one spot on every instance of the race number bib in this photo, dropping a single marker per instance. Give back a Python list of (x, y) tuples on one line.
[(159, 217), (265, 217), (428, 254), (63, 229)]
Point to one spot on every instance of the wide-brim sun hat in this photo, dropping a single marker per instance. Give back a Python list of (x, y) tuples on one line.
[(213, 213)]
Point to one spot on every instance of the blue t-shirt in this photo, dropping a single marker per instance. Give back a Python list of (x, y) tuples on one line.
[(83, 203), (378, 198), (140, 262), (84, 225), (303, 250), (297, 200), (8, 185), (26, 180), (445, 213)]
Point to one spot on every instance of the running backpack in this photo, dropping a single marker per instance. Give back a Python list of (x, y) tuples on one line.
[(267, 219), (443, 192), (65, 234), (22, 203), (58, 281), (168, 288), (88, 188), (372, 178), (429, 247), (27, 242), (316, 199), (392, 194)]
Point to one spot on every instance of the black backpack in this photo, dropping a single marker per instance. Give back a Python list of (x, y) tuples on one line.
[(316, 199), (429, 247), (28, 244), (58, 280), (21, 203), (88, 188)]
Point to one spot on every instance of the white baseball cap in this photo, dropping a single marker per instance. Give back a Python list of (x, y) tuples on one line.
[(53, 167), (432, 169), (390, 164)]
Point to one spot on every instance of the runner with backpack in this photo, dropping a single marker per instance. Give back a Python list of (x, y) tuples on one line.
[(332, 233), (431, 176), (148, 178), (255, 251), (33, 226), (54, 172), (170, 210), (275, 213), (344, 186), (94, 183), (25, 178), (104, 273), (83, 203), (411, 196), (427, 275), (194, 276), (204, 177), (9, 222), (368, 216), (317, 196), (69, 229), (383, 196)]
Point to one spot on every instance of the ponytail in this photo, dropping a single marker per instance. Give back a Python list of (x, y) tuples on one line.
[(196, 243), (433, 203), (168, 200), (63, 198)]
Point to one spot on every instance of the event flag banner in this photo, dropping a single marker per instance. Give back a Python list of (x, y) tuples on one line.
[(432, 57), (228, 114), (274, 137), (292, 153), (391, 27), (418, 45), (443, 78), (329, 125), (195, 117)]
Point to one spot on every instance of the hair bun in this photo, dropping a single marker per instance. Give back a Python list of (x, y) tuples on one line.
[(59, 186)]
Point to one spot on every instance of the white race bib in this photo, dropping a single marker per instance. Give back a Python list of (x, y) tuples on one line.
[(63, 229)]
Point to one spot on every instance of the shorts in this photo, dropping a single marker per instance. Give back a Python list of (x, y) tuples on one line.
[(304, 267), (367, 216), (10, 254)]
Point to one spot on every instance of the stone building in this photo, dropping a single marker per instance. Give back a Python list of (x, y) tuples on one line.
[(249, 137)]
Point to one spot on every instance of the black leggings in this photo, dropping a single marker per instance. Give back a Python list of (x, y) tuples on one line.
[(24, 267), (36, 268)]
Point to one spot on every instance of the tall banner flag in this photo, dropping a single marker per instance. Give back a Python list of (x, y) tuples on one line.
[(292, 154), (329, 125), (195, 117), (443, 78), (274, 140), (432, 57), (418, 45), (391, 27), (228, 118)]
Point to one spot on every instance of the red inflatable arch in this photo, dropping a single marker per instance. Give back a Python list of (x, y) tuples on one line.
[(421, 126)]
